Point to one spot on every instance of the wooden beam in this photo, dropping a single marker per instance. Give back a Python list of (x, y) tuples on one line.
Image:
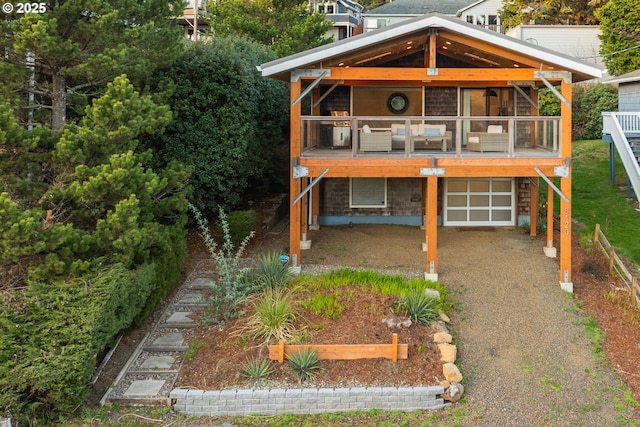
[(450, 75), (433, 39)]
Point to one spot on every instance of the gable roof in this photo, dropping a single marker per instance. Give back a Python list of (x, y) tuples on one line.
[(468, 43), (419, 7), (631, 77)]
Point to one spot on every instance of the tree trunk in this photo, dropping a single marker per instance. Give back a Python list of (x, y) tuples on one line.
[(58, 103)]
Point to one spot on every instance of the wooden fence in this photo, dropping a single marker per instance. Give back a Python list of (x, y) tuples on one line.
[(616, 266), (393, 351)]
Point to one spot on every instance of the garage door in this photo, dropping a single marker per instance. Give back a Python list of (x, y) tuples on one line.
[(479, 201)]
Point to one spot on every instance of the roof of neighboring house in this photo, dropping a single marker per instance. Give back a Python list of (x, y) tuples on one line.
[(420, 7), (631, 77), (469, 6), (370, 49)]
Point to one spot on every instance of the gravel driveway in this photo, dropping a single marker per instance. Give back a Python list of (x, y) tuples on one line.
[(522, 345)]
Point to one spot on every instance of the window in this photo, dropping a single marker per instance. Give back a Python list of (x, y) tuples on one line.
[(470, 19), (368, 193), (330, 8)]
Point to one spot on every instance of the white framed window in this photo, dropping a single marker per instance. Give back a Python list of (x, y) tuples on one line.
[(368, 193)]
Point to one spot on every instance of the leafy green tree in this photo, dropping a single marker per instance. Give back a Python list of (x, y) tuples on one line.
[(76, 46), (567, 12), (228, 119), (620, 36), (285, 25)]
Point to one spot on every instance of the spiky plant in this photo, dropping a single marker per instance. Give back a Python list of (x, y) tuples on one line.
[(421, 307), (304, 363)]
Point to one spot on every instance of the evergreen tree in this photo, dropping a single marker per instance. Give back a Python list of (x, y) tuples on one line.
[(75, 46)]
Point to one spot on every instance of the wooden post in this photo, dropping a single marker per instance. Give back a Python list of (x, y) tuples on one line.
[(294, 183), (565, 187), (394, 348), (634, 291), (281, 351), (550, 208), (431, 272), (612, 255), (596, 235), (534, 208)]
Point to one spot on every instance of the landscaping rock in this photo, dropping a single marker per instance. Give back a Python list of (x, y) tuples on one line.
[(442, 337), (440, 326), (397, 322), (444, 317), (448, 352), (454, 392), (432, 293), (444, 384), (451, 372)]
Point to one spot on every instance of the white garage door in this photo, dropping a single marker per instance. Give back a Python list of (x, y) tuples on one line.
[(479, 202)]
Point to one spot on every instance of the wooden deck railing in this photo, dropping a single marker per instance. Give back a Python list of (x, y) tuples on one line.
[(616, 266)]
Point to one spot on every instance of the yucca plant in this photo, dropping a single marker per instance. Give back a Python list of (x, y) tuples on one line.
[(273, 316), (257, 368), (421, 307), (272, 271), (304, 363)]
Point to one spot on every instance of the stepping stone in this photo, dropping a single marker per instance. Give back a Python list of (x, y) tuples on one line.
[(158, 362), (172, 339), (191, 298), (202, 283), (144, 388), (180, 317)]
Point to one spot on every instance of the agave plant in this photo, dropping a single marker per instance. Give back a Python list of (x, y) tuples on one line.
[(305, 364)]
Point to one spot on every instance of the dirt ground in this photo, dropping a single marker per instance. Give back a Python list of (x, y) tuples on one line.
[(398, 249)]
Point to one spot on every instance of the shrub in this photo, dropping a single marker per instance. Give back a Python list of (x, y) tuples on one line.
[(257, 369), (304, 363), (273, 316), (271, 272), (232, 284), (421, 307), (241, 225)]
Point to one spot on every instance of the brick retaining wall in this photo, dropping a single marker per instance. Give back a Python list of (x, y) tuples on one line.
[(305, 401)]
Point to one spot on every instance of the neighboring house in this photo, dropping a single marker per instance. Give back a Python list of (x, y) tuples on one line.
[(622, 128), (432, 121), (399, 10), (483, 13), (192, 20), (579, 41), (346, 16)]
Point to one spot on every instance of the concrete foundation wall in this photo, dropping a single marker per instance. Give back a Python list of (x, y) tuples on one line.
[(305, 401)]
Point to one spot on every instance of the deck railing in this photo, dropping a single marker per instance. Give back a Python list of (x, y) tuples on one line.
[(419, 136)]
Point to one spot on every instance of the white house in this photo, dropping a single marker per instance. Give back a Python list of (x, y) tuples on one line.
[(578, 41), (483, 13)]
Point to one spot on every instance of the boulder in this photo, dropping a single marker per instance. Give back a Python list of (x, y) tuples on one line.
[(448, 352), (451, 372), (444, 317), (442, 337), (396, 322), (454, 392)]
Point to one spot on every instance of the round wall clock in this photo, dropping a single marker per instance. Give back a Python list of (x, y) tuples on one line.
[(398, 103)]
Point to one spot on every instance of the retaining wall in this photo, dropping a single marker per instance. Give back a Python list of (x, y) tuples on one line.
[(305, 401)]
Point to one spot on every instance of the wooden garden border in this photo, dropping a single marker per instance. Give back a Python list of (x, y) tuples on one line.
[(616, 265), (393, 351)]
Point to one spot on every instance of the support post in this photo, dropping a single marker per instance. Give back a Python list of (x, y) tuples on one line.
[(431, 202), (315, 207), (534, 207), (305, 243), (294, 183), (549, 250), (565, 186)]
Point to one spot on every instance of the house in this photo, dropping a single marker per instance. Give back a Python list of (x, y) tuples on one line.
[(192, 20), (579, 41), (429, 122), (483, 12), (621, 129), (346, 16)]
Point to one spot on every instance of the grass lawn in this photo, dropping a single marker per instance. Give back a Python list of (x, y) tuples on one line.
[(596, 201)]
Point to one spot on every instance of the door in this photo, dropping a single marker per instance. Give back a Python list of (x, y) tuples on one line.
[(479, 202)]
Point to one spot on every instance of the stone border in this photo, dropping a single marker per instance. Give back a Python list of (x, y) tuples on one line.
[(305, 401)]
